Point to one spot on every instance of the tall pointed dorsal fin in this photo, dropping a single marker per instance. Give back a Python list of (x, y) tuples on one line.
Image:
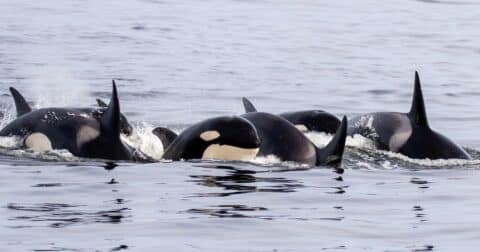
[(417, 112), (20, 103), (110, 120), (248, 105), (332, 154), (101, 103)]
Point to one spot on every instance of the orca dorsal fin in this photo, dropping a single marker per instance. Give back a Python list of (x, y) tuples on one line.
[(417, 112), (248, 105), (20, 103), (165, 135), (332, 154), (101, 103), (110, 120)]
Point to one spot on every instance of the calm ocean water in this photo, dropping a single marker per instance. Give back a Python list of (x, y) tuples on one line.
[(179, 61)]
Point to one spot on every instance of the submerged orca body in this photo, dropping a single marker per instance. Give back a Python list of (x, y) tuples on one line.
[(407, 133), (71, 129), (23, 107), (220, 138), (282, 139), (306, 120)]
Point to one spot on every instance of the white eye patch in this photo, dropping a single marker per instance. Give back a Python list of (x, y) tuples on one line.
[(301, 127), (210, 135), (38, 142)]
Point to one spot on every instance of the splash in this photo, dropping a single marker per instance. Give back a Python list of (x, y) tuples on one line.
[(143, 139), (57, 86), (11, 146), (9, 114), (321, 140), (10, 142)]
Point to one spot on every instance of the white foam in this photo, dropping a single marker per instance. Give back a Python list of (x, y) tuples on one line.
[(10, 142), (12, 146), (9, 114), (318, 138), (429, 162), (321, 139), (272, 160), (143, 139)]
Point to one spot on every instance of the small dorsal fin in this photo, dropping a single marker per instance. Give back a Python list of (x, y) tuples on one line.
[(165, 135), (110, 120), (417, 112), (332, 154), (101, 103), (248, 105), (20, 102)]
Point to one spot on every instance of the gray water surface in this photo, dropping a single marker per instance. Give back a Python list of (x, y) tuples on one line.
[(177, 62)]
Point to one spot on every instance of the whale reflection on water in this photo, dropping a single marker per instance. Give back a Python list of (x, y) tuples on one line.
[(239, 180), (61, 215)]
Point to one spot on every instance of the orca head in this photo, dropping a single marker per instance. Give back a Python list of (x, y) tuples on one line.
[(423, 141), (108, 144), (125, 127), (226, 138)]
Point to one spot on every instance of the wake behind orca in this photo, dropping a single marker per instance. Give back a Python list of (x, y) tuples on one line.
[(74, 130), (407, 133)]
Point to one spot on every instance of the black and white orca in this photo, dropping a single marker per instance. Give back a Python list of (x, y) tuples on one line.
[(306, 120), (23, 107), (407, 133), (220, 138), (74, 130), (276, 135), (282, 139)]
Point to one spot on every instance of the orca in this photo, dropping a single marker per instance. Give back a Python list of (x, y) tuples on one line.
[(278, 137), (306, 120), (72, 129), (282, 139), (219, 138), (23, 107), (407, 133)]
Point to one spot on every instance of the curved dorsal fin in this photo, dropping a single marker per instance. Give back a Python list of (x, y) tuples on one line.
[(417, 112), (110, 120), (248, 105), (20, 102), (101, 103), (332, 154), (165, 135)]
